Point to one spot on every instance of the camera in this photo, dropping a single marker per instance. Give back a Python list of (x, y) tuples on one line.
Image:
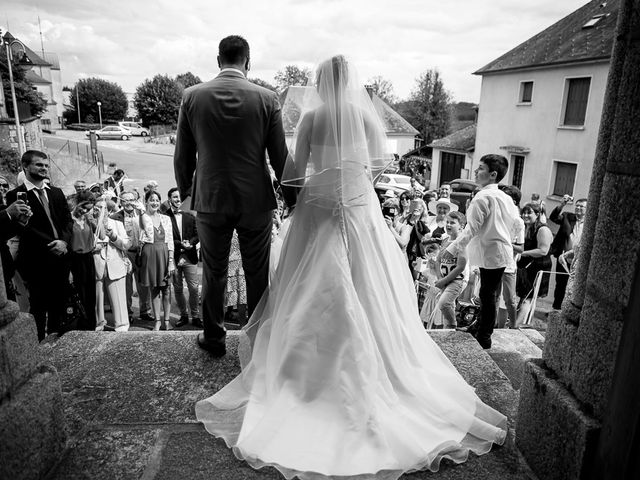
[(22, 196), (389, 212)]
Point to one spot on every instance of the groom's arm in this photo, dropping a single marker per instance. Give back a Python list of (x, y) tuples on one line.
[(277, 148), (184, 158)]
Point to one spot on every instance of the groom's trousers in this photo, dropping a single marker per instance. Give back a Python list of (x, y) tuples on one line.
[(215, 231)]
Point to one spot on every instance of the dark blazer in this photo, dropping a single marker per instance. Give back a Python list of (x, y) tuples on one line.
[(189, 232), (567, 221), (228, 123), (8, 229), (33, 252)]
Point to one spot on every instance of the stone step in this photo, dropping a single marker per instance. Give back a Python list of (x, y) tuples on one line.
[(32, 428), (129, 401), (19, 355), (510, 349)]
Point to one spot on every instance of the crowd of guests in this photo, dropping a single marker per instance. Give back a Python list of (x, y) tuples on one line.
[(103, 245), (107, 244), (425, 223)]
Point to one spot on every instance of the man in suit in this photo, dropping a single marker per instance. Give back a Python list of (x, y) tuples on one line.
[(227, 123), (185, 240), (42, 256), (566, 239), (11, 218)]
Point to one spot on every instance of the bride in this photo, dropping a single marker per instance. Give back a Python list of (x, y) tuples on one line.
[(338, 375)]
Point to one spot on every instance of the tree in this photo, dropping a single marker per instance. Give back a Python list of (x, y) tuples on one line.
[(431, 103), (25, 90), (187, 80), (383, 88), (158, 100), (262, 83), (291, 75), (88, 92)]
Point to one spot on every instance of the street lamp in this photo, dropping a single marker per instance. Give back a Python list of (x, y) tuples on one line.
[(100, 113), (9, 42)]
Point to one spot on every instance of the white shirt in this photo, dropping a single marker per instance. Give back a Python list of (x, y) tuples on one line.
[(30, 186), (491, 219), (232, 70), (178, 216), (576, 234), (518, 238)]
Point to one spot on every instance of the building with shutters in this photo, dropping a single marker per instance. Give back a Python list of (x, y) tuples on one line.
[(541, 103)]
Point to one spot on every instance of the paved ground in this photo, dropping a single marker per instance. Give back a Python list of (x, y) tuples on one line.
[(129, 403)]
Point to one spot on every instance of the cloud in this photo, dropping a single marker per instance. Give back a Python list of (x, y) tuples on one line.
[(127, 42)]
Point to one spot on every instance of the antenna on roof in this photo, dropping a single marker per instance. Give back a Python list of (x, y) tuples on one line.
[(41, 40)]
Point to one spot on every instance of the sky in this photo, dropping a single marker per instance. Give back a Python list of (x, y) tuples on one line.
[(128, 42)]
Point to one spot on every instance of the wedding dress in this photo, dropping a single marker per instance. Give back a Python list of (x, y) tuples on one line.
[(339, 377)]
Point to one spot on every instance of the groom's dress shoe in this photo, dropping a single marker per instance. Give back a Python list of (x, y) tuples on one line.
[(216, 348)]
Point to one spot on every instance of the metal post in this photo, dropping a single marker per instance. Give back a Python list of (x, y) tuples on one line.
[(78, 100), (16, 116), (100, 112)]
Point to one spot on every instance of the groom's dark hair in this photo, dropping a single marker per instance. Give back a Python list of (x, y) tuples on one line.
[(233, 50)]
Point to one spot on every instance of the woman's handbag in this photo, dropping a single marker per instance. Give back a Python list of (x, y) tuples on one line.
[(74, 316)]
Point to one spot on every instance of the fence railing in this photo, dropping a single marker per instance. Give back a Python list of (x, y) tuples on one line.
[(74, 161)]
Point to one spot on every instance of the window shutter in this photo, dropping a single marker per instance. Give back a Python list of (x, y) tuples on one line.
[(577, 97)]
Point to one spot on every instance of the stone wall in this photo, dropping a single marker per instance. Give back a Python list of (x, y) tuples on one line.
[(32, 427), (570, 390), (31, 130)]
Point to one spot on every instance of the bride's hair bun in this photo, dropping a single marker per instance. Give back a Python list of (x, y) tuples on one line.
[(339, 68)]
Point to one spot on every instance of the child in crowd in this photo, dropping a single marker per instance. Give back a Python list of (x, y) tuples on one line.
[(453, 271)]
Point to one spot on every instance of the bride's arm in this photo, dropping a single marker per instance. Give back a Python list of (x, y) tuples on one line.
[(378, 159), (303, 146)]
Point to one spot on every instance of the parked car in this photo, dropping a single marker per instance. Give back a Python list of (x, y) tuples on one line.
[(135, 128), (394, 181), (461, 190), (112, 131)]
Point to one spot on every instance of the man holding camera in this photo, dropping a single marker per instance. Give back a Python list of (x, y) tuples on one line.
[(42, 256), (567, 238)]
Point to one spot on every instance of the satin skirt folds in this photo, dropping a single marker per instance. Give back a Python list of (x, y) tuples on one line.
[(342, 379)]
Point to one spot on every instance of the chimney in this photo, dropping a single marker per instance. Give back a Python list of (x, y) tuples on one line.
[(369, 90)]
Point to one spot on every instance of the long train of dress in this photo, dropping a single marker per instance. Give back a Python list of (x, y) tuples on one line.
[(342, 380)]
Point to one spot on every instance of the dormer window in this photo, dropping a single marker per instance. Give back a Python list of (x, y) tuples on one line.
[(593, 21)]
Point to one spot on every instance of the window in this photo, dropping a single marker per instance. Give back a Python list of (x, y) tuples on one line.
[(593, 21), (526, 92), (575, 104), (518, 169), (565, 178)]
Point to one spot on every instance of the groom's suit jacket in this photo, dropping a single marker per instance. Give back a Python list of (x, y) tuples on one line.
[(228, 123)]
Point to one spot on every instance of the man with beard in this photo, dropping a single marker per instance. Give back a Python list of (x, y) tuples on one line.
[(42, 256)]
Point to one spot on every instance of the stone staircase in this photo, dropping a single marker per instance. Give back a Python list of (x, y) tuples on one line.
[(129, 405)]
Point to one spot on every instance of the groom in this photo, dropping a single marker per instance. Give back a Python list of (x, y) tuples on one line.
[(226, 124)]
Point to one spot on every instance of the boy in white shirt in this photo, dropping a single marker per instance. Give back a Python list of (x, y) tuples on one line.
[(488, 235)]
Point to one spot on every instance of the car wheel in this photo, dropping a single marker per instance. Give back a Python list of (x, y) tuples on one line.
[(144, 134), (97, 137), (124, 137)]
